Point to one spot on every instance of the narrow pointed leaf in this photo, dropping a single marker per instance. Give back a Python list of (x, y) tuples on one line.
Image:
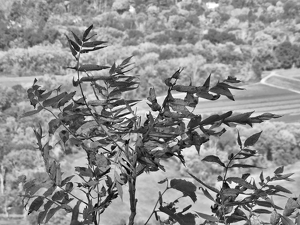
[(86, 32), (250, 141), (215, 159), (77, 39), (36, 204), (208, 217), (204, 184), (51, 213)]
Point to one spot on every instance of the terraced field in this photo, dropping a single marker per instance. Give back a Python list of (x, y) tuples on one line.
[(259, 98)]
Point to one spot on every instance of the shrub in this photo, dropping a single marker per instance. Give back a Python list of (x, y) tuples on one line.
[(120, 146), (168, 52), (159, 38), (34, 61), (284, 53), (215, 37), (121, 5), (109, 19), (177, 22), (134, 37)]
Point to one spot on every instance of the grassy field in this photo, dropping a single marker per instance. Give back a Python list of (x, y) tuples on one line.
[(283, 82)]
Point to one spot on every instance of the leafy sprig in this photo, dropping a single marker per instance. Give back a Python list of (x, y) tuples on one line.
[(119, 147)]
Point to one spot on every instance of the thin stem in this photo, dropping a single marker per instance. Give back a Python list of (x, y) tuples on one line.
[(57, 119), (74, 196), (155, 206), (224, 181), (133, 200)]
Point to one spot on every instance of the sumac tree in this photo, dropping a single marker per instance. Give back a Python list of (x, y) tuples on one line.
[(121, 145)]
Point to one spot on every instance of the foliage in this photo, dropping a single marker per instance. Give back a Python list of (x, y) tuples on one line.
[(30, 25), (120, 145), (215, 36), (36, 60)]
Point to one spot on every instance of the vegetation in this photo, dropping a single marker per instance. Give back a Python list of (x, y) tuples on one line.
[(120, 146), (251, 37), (33, 36)]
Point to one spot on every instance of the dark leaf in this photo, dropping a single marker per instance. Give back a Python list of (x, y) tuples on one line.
[(112, 69), (86, 32), (58, 195), (240, 181), (250, 141), (186, 187), (31, 113), (208, 217), (66, 180), (85, 172), (95, 78), (73, 51), (191, 100), (53, 101), (239, 118), (207, 83), (267, 204), (262, 211), (66, 98), (43, 97), (75, 212), (93, 43), (204, 184), (50, 191), (91, 67), (41, 216), (186, 89), (186, 208), (210, 120), (221, 90), (53, 125), (244, 166), (230, 192), (64, 136), (194, 122), (207, 194), (126, 61), (36, 204), (282, 189), (51, 213), (152, 95), (182, 219), (239, 140), (163, 181), (77, 39), (279, 170), (177, 74), (206, 95), (261, 177), (212, 158)]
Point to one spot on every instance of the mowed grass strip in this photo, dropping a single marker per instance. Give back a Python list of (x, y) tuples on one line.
[(283, 82)]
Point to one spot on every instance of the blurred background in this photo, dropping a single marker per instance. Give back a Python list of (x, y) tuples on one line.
[(257, 41)]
